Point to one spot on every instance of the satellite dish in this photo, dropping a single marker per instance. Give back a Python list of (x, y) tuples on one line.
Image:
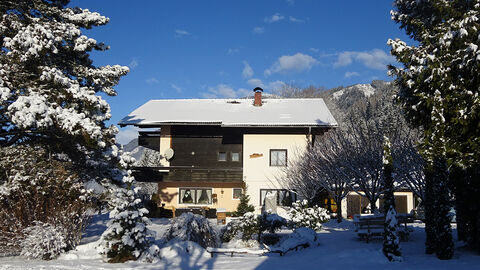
[(169, 153)]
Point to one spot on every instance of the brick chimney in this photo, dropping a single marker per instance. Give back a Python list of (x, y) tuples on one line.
[(258, 96)]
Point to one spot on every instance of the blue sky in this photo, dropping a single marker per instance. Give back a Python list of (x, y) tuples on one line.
[(223, 49)]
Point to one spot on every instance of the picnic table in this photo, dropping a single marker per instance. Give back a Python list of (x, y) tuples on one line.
[(369, 226)]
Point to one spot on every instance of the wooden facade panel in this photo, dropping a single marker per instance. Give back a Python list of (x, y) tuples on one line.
[(203, 151), (150, 142), (189, 176)]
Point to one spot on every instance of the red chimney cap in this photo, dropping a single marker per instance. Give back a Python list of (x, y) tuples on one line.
[(257, 89)]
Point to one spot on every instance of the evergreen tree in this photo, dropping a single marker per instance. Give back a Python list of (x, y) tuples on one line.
[(50, 95), (391, 241), (127, 236), (49, 88), (244, 206), (439, 91)]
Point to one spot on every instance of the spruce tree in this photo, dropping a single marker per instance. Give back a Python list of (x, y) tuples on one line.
[(127, 236), (391, 241), (50, 90), (244, 206), (439, 92), (51, 95)]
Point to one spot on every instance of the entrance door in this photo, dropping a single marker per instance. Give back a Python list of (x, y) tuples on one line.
[(401, 204)]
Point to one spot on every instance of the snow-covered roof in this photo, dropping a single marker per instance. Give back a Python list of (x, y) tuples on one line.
[(309, 112)]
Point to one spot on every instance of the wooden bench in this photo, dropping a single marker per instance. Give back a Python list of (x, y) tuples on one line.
[(259, 252), (232, 251), (283, 251), (368, 226)]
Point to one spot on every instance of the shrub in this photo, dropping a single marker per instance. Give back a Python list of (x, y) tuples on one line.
[(311, 217), (243, 228), (192, 227), (36, 188), (270, 239), (43, 241), (250, 225), (271, 222)]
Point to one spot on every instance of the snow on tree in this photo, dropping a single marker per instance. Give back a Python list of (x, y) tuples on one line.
[(301, 215), (192, 227), (391, 240), (439, 91), (48, 85), (127, 236), (50, 90)]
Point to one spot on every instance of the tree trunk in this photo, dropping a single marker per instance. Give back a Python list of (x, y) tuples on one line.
[(430, 242), (373, 205), (444, 246), (339, 210)]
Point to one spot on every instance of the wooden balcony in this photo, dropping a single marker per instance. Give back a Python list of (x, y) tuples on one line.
[(188, 174)]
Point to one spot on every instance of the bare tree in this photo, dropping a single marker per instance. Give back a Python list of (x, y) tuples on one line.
[(350, 158), (409, 165), (330, 160), (299, 176), (360, 137)]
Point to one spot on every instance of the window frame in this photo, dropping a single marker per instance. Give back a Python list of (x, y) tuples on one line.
[(279, 150), (233, 193), (194, 195), (231, 156), (222, 152), (293, 194)]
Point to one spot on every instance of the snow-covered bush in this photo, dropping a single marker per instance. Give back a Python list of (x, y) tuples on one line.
[(192, 227), (42, 188), (303, 216), (243, 228), (301, 237), (250, 225), (271, 222), (43, 241)]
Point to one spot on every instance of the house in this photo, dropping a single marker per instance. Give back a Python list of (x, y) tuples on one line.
[(213, 150)]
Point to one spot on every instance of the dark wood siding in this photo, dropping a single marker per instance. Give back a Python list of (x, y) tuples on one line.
[(199, 146), (150, 142), (188, 175), (203, 152)]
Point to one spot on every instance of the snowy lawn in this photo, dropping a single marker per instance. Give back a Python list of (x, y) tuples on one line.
[(339, 249)]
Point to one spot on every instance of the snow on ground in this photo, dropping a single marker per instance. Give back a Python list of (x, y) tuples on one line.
[(339, 249)]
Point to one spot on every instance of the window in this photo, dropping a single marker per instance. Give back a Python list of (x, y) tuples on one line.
[(278, 157), (195, 196), (235, 156), (237, 193), (283, 197), (222, 156)]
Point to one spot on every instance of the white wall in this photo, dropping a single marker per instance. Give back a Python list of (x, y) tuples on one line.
[(257, 172), (165, 143)]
